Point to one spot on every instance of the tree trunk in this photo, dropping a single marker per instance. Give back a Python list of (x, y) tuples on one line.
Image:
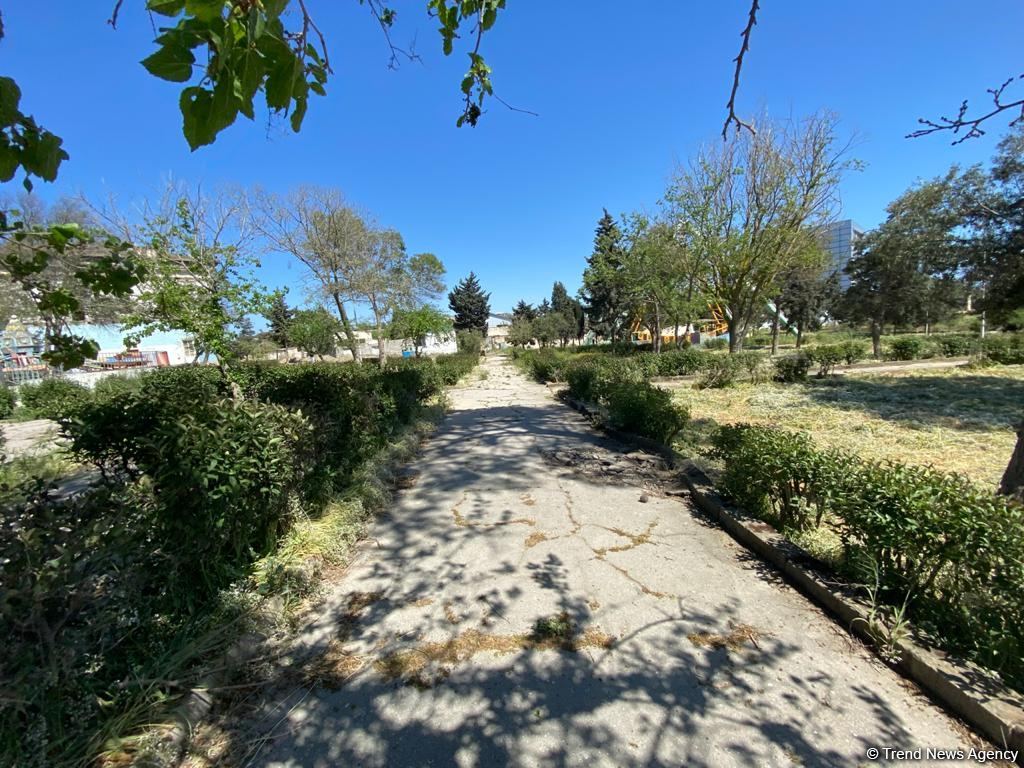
[(775, 329), (350, 336), (1012, 483), (799, 336), (735, 333), (876, 339), (382, 355)]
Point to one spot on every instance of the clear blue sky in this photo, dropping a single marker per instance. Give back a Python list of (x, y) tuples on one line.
[(624, 90)]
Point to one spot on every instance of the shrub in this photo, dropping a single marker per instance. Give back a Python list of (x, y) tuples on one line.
[(952, 550), (853, 351), (645, 410), (955, 344), (7, 401), (1004, 349), (590, 378), (753, 363), (53, 398), (451, 368), (719, 371), (905, 348), (717, 343), (680, 362), (545, 365), (826, 357), (469, 342), (794, 368)]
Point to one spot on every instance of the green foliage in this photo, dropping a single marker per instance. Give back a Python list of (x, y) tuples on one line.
[(754, 363), (715, 344), (827, 357), (470, 305), (469, 342), (417, 324), (279, 315), (954, 344), (7, 402), (53, 398), (24, 143), (794, 368), (1004, 349), (951, 551), (853, 351), (905, 348), (720, 371), (544, 365), (314, 331), (644, 410)]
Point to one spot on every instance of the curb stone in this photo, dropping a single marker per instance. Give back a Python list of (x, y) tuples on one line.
[(961, 688)]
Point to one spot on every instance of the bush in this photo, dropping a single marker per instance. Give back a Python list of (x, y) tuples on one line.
[(545, 365), (826, 357), (1004, 349), (469, 342), (753, 363), (52, 398), (7, 401), (905, 348), (952, 550), (955, 344), (789, 370), (591, 378), (715, 344), (645, 410), (719, 371), (853, 351), (680, 362), (451, 368)]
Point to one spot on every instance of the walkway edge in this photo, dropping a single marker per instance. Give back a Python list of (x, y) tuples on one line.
[(963, 689)]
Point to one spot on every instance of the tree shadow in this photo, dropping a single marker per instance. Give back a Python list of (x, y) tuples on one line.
[(430, 660), (977, 402)]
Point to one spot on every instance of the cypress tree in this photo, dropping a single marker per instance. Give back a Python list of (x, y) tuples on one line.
[(470, 305)]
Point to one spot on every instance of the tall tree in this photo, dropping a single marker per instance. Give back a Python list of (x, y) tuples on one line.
[(523, 311), (899, 269), (602, 290), (278, 316), (327, 235), (565, 313), (808, 295), (470, 305), (747, 207)]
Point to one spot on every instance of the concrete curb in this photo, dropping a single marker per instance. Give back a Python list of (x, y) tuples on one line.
[(963, 689)]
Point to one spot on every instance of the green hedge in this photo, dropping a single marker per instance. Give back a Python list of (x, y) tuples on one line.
[(52, 398), (1005, 349), (7, 401), (952, 550)]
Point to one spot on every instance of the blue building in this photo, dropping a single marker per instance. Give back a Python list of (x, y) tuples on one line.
[(840, 238)]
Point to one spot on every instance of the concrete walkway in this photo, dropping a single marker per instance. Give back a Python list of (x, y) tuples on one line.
[(664, 643)]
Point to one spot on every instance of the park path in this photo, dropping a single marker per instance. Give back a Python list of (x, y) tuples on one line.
[(683, 649)]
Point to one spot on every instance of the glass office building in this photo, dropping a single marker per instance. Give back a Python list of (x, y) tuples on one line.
[(840, 239)]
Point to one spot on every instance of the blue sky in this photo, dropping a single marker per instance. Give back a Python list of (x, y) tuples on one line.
[(624, 90)]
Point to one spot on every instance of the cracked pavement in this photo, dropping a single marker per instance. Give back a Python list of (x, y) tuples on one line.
[(677, 646)]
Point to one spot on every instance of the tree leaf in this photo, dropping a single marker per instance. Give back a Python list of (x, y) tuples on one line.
[(171, 62)]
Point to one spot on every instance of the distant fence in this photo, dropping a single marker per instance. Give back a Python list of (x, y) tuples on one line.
[(16, 370)]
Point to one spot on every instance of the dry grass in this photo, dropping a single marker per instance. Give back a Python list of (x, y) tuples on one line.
[(956, 420), (429, 663), (734, 640)]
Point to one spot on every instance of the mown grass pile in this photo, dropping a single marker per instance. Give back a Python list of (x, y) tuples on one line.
[(110, 598)]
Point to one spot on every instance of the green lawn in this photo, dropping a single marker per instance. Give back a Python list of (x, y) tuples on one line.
[(956, 420)]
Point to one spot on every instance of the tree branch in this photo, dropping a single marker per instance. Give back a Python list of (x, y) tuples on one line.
[(972, 125), (732, 117)]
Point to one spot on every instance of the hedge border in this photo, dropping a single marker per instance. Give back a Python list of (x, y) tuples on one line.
[(965, 690)]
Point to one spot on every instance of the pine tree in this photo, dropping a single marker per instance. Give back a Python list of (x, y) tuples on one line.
[(279, 316), (601, 292), (524, 311), (470, 305)]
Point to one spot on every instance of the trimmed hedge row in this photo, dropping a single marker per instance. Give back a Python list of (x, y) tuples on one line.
[(631, 403), (953, 551)]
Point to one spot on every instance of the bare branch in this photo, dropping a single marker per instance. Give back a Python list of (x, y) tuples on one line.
[(112, 21), (971, 126), (732, 117), (385, 22)]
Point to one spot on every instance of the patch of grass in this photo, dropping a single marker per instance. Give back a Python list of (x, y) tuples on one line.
[(427, 664), (956, 420), (734, 640)]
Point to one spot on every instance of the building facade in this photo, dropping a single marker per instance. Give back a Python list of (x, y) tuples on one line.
[(840, 238)]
